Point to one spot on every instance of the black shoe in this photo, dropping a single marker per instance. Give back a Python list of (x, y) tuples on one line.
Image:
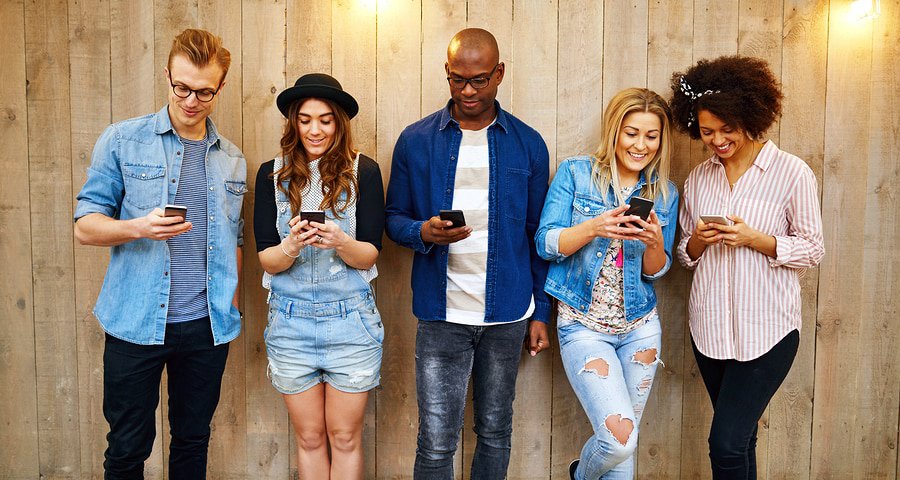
[(572, 467)]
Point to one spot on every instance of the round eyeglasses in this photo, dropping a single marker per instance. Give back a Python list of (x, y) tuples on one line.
[(477, 83), (203, 95)]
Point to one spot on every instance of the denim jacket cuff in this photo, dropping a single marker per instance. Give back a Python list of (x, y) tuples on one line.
[(551, 245), (662, 271), (414, 238), (541, 311)]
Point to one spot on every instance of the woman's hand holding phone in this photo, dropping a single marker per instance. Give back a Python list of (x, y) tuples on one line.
[(651, 231), (322, 235), (613, 224)]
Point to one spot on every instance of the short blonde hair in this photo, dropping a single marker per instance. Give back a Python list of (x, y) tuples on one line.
[(200, 47)]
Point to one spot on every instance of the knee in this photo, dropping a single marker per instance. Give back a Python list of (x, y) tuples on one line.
[(724, 446), (310, 439), (622, 438), (345, 441)]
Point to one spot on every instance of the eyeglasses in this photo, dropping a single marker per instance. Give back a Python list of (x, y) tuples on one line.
[(204, 95), (477, 83)]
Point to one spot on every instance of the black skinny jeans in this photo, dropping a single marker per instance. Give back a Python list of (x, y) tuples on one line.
[(740, 392), (131, 379)]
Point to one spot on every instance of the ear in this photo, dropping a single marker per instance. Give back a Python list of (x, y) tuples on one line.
[(501, 69), (447, 68), (166, 73)]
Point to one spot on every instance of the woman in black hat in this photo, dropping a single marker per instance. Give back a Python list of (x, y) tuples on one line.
[(318, 222)]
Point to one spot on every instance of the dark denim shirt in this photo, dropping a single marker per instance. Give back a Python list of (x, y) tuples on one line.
[(422, 179)]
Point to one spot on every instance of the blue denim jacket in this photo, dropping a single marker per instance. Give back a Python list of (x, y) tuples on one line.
[(135, 168), (574, 198), (422, 179)]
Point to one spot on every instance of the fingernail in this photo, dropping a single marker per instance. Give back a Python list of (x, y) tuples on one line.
[(533, 353)]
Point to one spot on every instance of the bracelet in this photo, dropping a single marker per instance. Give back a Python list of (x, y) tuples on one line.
[(281, 244)]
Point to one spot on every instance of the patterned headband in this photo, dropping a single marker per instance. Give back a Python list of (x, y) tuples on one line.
[(689, 92)]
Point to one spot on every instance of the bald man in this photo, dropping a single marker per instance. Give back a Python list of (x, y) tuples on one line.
[(477, 280)]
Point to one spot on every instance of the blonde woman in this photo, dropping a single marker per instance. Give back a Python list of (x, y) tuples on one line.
[(604, 264)]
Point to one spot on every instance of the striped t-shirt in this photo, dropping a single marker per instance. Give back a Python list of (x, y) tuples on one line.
[(467, 258), (187, 252)]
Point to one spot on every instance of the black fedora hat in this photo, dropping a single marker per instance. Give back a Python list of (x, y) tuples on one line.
[(317, 85)]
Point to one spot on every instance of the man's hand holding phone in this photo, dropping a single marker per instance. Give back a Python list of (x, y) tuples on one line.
[(157, 226), (441, 232)]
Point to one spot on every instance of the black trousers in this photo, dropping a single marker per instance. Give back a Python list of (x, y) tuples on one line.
[(131, 379), (740, 392)]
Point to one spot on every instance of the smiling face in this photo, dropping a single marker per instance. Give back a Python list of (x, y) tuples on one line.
[(188, 115), (316, 124), (636, 144), (725, 140)]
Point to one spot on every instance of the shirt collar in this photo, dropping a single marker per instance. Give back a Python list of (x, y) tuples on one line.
[(447, 118), (163, 124)]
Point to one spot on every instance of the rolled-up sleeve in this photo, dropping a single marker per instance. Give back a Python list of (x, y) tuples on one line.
[(804, 246), (556, 214), (104, 188)]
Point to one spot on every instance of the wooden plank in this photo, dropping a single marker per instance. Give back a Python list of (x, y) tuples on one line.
[(228, 446), (875, 451), (399, 55), (133, 78), (354, 65), (89, 53), (659, 444), (759, 35), (537, 66), (18, 378), (262, 56), (441, 19), (496, 16), (803, 126), (47, 61), (624, 46), (171, 17), (711, 20), (841, 352), (580, 112)]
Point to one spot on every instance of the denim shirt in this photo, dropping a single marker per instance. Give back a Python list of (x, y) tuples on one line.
[(573, 198), (135, 168), (422, 179)]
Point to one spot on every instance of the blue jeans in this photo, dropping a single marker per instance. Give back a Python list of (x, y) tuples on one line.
[(612, 386), (447, 354), (131, 378)]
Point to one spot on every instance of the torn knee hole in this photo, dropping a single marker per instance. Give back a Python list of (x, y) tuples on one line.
[(597, 366), (619, 427), (645, 357)]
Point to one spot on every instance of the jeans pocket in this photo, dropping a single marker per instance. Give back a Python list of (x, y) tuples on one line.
[(368, 321)]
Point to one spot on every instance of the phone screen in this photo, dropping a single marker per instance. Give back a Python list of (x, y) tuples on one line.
[(317, 216), (455, 216)]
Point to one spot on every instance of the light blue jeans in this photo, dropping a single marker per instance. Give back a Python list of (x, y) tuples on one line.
[(612, 386)]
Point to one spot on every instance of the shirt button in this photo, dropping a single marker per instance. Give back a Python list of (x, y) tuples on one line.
[(588, 283), (210, 189), (178, 152), (209, 278), (448, 190), (211, 218), (173, 180), (165, 274), (599, 254), (143, 175), (162, 305), (210, 248)]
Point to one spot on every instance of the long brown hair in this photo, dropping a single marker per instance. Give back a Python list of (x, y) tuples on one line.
[(656, 173), (335, 167)]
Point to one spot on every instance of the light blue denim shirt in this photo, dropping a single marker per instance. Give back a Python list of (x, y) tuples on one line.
[(573, 198), (135, 168)]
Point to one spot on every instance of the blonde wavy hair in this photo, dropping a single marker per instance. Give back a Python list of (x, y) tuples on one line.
[(335, 167), (604, 170)]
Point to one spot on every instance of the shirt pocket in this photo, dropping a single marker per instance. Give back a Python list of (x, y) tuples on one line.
[(144, 184), (234, 198), (585, 207), (515, 193)]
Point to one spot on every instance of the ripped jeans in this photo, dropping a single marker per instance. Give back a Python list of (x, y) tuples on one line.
[(612, 385)]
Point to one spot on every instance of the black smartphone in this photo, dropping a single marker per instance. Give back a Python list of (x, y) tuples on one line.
[(638, 206), (175, 211), (455, 216), (317, 216)]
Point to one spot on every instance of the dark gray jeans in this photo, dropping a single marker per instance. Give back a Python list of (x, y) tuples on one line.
[(447, 354)]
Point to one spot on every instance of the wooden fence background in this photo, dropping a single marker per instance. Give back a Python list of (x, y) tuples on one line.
[(70, 67)]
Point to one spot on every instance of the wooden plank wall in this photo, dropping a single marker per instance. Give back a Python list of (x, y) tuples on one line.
[(836, 416)]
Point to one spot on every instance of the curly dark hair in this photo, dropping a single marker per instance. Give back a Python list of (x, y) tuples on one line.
[(741, 91)]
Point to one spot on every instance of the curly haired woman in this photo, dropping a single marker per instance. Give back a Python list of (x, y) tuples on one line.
[(750, 225)]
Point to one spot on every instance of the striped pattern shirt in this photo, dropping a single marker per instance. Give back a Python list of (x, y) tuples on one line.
[(743, 302), (187, 252), (467, 258)]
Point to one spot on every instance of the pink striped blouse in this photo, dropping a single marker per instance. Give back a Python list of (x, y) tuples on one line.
[(742, 301)]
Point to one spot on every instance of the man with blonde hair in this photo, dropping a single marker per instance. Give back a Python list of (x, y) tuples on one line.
[(165, 192)]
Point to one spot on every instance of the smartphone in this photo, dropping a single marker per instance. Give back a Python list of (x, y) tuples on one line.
[(638, 206), (175, 211), (317, 216), (455, 216), (715, 219)]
